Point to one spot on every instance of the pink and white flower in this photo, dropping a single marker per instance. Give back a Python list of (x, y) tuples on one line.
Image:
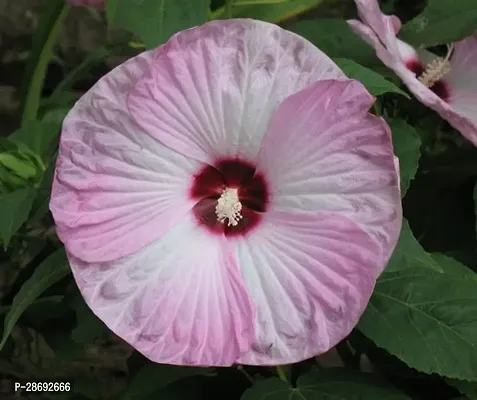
[(227, 198), (99, 4), (448, 85)]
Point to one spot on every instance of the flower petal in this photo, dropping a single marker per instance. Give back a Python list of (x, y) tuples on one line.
[(458, 108), (180, 300), (116, 189), (213, 88), (462, 82), (385, 26), (368, 35), (311, 275), (324, 151), (409, 54)]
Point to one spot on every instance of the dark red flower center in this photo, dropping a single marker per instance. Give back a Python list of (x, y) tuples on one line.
[(439, 87), (251, 188)]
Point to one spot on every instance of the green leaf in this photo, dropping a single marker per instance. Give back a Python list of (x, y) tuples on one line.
[(48, 300), (15, 207), (50, 271), (409, 253), (276, 13), (155, 21), (407, 146), (465, 387), (475, 206), (256, 2), (325, 384), (342, 43), (442, 21), (153, 377), (40, 136), (64, 99), (375, 83), (44, 40), (7, 145), (41, 203), (452, 266), (19, 164), (426, 319)]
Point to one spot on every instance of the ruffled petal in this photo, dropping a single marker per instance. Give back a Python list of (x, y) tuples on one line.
[(116, 189), (311, 275), (324, 151), (368, 35), (384, 26), (180, 300), (212, 89)]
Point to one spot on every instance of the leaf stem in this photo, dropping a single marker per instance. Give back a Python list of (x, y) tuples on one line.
[(228, 8), (243, 371), (281, 373)]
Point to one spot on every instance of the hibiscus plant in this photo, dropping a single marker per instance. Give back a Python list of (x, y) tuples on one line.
[(264, 199)]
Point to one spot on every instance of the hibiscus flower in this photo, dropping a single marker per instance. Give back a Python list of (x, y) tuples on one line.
[(227, 198), (448, 84)]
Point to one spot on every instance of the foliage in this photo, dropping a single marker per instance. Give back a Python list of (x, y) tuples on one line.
[(419, 331)]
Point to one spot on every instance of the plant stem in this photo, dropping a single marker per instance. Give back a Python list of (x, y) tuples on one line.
[(228, 8), (281, 373), (243, 371), (52, 21)]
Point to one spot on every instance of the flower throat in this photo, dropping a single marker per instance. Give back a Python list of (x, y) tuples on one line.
[(436, 69)]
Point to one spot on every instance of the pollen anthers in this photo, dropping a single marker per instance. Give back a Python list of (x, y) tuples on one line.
[(436, 69), (229, 207)]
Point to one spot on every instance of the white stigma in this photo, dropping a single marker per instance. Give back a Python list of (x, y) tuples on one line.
[(229, 207), (436, 69)]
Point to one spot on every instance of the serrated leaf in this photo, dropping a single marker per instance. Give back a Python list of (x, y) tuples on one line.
[(50, 271), (154, 377), (325, 384), (375, 83), (458, 18), (155, 21), (426, 319), (342, 43), (407, 144), (465, 387), (409, 253), (15, 207), (276, 13)]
